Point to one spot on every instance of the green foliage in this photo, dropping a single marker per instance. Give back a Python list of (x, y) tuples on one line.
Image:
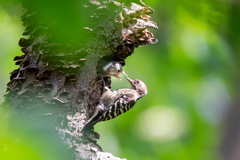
[(11, 30), (36, 139), (189, 75)]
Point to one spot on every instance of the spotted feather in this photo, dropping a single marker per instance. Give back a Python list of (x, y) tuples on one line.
[(119, 107)]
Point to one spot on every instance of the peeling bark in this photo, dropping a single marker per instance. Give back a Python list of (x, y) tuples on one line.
[(56, 80)]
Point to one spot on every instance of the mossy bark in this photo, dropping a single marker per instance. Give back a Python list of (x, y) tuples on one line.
[(56, 81)]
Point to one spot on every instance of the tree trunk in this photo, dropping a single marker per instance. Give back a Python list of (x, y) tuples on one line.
[(55, 90), (230, 146)]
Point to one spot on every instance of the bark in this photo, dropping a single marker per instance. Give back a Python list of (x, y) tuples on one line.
[(54, 91), (230, 145)]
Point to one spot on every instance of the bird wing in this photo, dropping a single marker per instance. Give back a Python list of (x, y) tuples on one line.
[(110, 96), (119, 106)]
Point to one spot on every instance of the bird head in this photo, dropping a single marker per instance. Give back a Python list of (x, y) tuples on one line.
[(139, 86), (114, 69)]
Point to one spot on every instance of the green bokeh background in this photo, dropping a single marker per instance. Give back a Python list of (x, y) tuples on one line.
[(190, 74)]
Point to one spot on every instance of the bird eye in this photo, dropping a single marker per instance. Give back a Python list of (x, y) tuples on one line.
[(118, 70), (137, 82)]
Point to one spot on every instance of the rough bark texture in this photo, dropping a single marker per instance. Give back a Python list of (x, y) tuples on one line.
[(55, 82)]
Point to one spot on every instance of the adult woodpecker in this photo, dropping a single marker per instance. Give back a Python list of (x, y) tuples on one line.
[(116, 102), (112, 69)]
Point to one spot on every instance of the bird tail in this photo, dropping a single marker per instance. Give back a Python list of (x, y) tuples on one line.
[(93, 120)]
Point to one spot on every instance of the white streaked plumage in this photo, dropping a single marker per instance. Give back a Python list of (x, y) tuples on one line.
[(116, 102)]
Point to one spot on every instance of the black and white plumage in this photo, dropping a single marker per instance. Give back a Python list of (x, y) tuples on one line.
[(112, 69), (116, 102)]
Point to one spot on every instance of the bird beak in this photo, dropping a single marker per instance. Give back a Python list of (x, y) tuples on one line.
[(124, 74), (119, 77), (131, 81)]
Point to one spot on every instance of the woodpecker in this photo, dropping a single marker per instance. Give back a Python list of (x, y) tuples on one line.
[(116, 102), (112, 69)]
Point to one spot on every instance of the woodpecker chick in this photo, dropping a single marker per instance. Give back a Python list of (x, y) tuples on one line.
[(113, 69), (116, 102)]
